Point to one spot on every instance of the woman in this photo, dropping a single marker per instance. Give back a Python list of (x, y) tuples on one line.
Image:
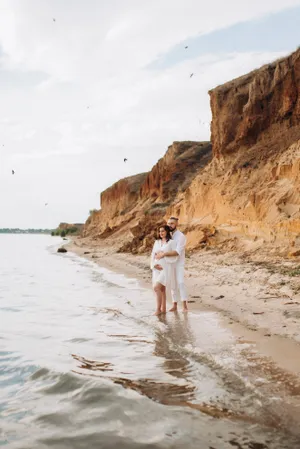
[(163, 270)]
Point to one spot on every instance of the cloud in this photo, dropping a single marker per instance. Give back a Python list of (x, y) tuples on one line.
[(98, 38), (239, 37), (84, 94)]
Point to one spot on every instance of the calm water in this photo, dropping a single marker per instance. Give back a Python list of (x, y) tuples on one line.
[(84, 364)]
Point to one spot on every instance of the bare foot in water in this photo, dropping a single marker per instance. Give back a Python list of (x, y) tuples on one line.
[(163, 311), (184, 306), (174, 308), (158, 312)]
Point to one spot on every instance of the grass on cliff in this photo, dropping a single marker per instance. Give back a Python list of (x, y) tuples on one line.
[(157, 206), (64, 232), (294, 272)]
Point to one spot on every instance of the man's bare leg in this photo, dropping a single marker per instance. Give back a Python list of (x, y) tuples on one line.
[(174, 307), (184, 306)]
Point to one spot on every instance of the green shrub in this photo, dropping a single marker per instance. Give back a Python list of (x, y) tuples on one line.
[(160, 205), (295, 272), (65, 232)]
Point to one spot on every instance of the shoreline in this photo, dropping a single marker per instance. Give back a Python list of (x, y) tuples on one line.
[(255, 305)]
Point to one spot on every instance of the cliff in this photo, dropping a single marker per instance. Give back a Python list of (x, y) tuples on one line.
[(68, 228), (133, 207), (245, 192), (251, 188), (117, 205), (258, 114), (175, 171)]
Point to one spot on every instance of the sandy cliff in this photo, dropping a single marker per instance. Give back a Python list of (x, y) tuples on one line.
[(133, 207), (258, 114), (251, 188), (246, 192), (117, 207)]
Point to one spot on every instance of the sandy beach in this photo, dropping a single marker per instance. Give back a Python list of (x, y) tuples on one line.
[(258, 301)]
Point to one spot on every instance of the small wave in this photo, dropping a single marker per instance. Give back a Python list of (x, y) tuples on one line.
[(40, 373), (56, 419), (63, 383)]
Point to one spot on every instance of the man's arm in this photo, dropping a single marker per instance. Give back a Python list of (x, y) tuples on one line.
[(179, 249), (161, 254)]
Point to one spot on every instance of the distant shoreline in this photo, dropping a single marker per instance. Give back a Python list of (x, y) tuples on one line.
[(25, 231)]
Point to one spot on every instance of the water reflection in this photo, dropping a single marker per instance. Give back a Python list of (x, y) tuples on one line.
[(176, 331)]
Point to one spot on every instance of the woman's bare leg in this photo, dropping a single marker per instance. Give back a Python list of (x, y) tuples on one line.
[(158, 293), (163, 308)]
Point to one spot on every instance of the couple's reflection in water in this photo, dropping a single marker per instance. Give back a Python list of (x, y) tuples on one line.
[(169, 344), (171, 337)]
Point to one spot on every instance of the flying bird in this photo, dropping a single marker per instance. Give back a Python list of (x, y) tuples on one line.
[(13, 172), (205, 124), (54, 20), (191, 75), (186, 47), (46, 204), (125, 160)]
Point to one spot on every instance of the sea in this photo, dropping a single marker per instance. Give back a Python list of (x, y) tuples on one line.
[(85, 364)]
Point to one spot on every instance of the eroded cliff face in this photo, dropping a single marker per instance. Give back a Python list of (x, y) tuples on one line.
[(120, 198), (258, 112), (117, 205), (261, 203), (175, 171), (251, 188), (68, 226), (132, 208), (246, 191)]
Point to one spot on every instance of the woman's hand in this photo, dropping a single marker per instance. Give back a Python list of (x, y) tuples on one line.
[(158, 267), (159, 255)]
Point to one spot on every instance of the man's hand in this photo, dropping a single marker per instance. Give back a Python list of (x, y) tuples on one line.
[(159, 255), (158, 267)]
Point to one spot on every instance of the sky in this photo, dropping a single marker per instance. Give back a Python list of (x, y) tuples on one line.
[(110, 79)]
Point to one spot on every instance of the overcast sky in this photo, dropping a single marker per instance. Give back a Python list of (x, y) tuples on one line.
[(110, 79)]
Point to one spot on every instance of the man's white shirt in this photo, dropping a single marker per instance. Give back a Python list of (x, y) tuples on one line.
[(180, 240)]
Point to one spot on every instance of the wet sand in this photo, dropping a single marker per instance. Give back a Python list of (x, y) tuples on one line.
[(259, 306)]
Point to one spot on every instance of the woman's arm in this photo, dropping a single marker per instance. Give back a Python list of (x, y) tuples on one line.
[(153, 255)]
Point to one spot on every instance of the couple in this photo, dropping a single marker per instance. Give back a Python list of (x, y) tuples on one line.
[(167, 264)]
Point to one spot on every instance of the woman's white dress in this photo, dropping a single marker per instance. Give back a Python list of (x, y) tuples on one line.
[(167, 276)]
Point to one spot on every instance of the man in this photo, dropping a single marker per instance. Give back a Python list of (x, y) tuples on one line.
[(180, 240)]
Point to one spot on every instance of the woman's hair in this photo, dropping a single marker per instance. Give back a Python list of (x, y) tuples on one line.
[(167, 229)]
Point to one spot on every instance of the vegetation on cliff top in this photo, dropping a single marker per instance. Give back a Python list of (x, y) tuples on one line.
[(63, 232)]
